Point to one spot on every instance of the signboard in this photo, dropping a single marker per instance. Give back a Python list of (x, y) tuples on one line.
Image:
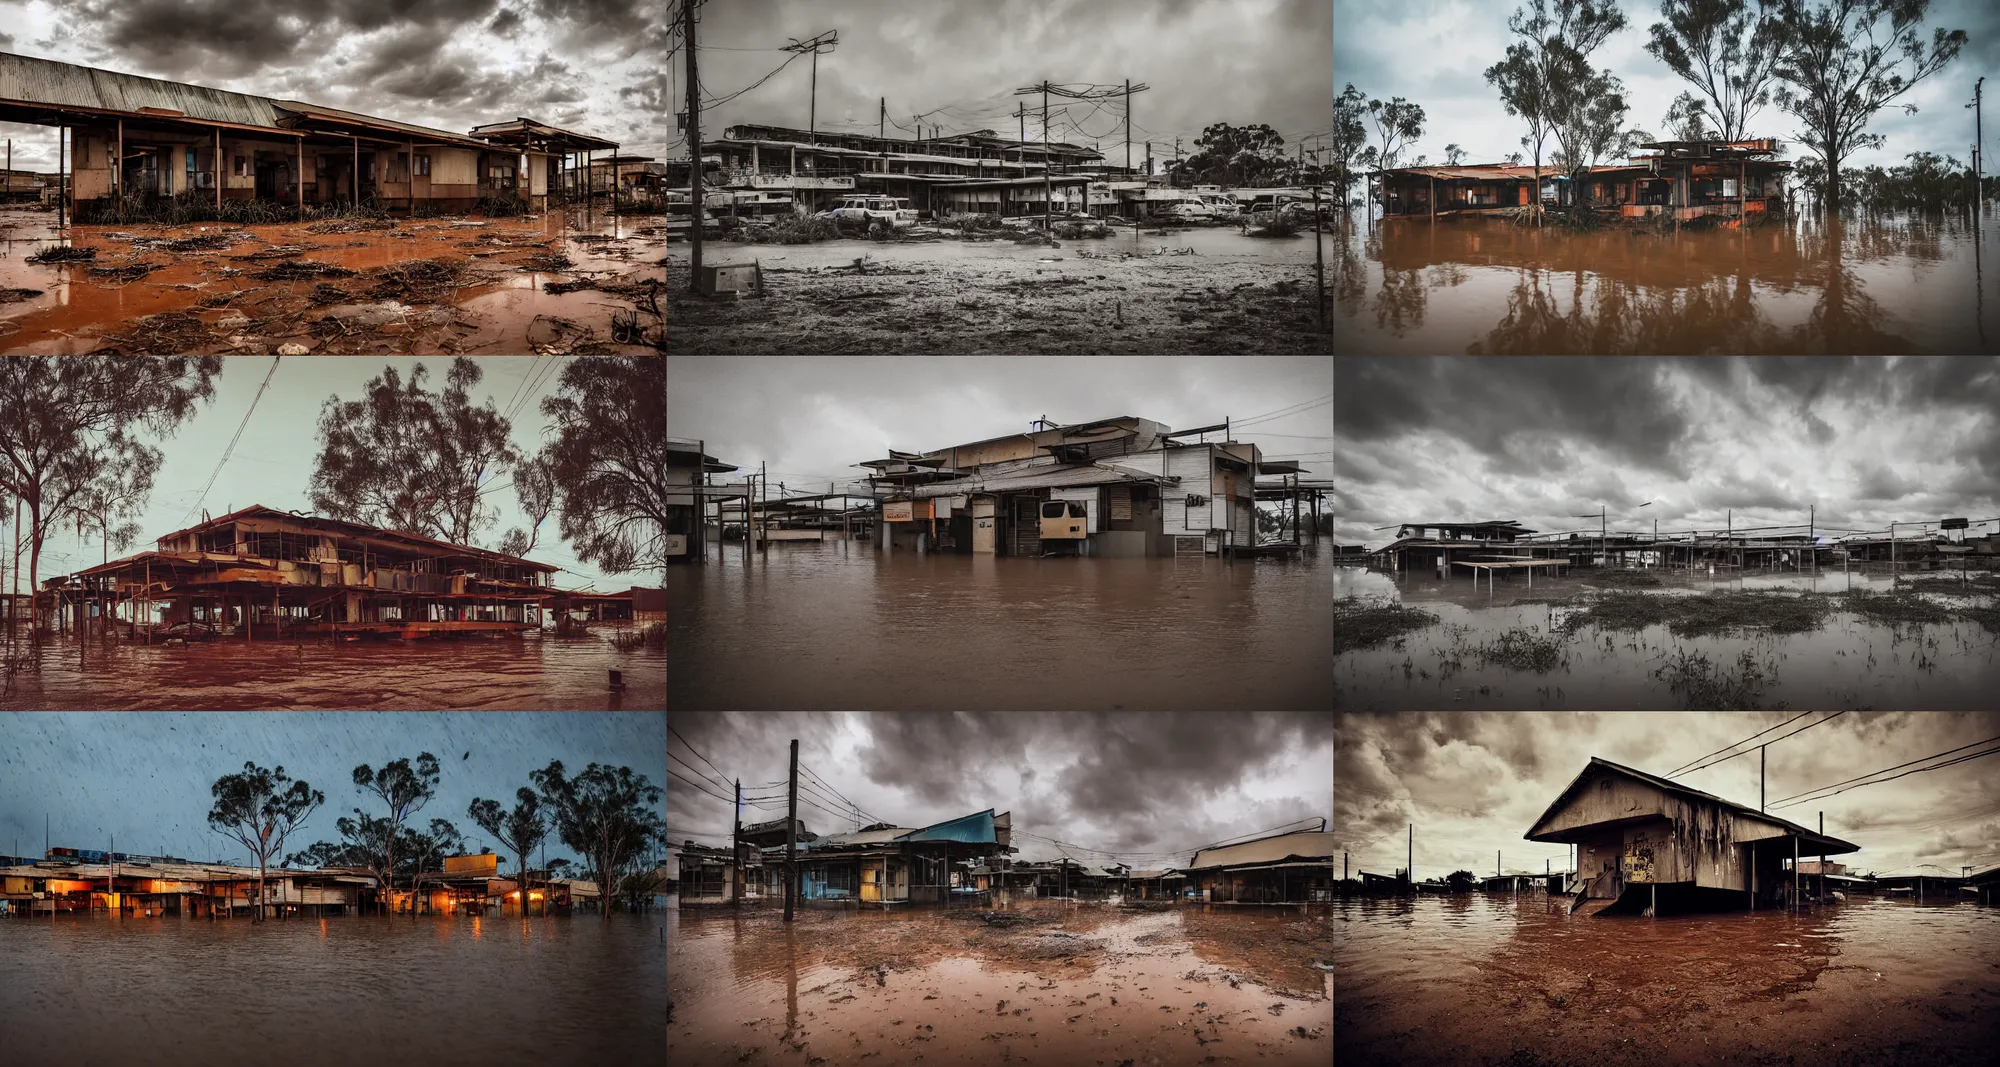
[(896, 511), (677, 544), (486, 864)]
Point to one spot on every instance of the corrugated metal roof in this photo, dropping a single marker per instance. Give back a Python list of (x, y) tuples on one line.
[(861, 837), (975, 829), (337, 115), (1831, 846), (45, 81), (1306, 844), (1507, 172), (1048, 477)]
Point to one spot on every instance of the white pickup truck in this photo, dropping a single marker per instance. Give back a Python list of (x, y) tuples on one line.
[(867, 210)]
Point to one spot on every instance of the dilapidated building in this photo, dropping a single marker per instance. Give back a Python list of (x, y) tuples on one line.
[(1647, 844)]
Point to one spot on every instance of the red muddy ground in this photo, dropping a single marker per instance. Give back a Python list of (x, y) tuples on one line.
[(1091, 986), (502, 310)]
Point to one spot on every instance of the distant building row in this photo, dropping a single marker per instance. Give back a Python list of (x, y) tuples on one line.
[(968, 859)]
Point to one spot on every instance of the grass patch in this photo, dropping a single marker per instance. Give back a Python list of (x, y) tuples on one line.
[(1987, 617), (1711, 613), (1703, 686), (1893, 608), (1359, 624), (1523, 649), (1978, 585)]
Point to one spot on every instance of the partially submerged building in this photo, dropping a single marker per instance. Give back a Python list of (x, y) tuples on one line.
[(1123, 486), (83, 881), (1293, 868), (689, 496), (263, 572), (1681, 179), (1646, 843), (882, 864)]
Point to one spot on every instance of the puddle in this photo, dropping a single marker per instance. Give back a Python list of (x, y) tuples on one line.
[(217, 269), (1089, 984), (1848, 644)]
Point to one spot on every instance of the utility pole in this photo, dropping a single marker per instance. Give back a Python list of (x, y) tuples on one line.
[(1021, 121), (1048, 197), (1822, 854), (792, 832), (1410, 863), (827, 41), (694, 145), (1128, 130), (736, 851), (1177, 162), (1760, 777)]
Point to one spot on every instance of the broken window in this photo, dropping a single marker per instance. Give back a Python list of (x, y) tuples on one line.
[(399, 167), (242, 166), (423, 166)]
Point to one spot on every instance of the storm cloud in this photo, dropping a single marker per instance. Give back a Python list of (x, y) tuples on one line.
[(1144, 789), (1851, 443), (1472, 783)]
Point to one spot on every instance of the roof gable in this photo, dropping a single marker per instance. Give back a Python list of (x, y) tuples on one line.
[(1599, 765)]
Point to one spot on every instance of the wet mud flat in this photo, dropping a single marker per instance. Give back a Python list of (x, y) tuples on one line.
[(1477, 979), (542, 284), (1037, 983), (1135, 294)]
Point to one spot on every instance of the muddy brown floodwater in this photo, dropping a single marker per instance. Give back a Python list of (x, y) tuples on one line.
[(263, 286), (1200, 290), (334, 992), (1475, 979), (1892, 284), (830, 625), (1082, 985), (533, 672)]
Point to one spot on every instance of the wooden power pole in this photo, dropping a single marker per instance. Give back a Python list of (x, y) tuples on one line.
[(736, 850), (792, 833), (694, 148)]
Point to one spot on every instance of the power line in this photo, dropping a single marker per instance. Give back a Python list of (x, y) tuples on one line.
[(1808, 795), (1772, 741), (697, 752), (196, 508), (1285, 415), (697, 770), (695, 783), (1287, 407), (1683, 767)]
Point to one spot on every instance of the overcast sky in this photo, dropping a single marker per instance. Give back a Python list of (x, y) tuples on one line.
[(1474, 782), (586, 65), (1435, 53), (1864, 440), (1151, 787), (957, 63), (810, 418), (144, 777), (273, 462)]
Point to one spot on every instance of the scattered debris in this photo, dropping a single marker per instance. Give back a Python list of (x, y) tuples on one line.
[(167, 333), (128, 273), (62, 254), (10, 296), (548, 261), (293, 348), (352, 225), (329, 294), (282, 252), (423, 281), (292, 269)]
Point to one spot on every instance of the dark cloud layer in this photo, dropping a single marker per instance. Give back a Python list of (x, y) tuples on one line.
[(1856, 442), (1145, 784), (1473, 783)]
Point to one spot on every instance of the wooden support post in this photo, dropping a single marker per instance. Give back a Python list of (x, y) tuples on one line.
[(410, 179), (299, 178), (354, 180), (118, 171), (62, 179), (215, 168)]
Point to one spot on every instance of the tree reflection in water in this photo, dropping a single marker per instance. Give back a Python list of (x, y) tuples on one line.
[(1637, 290)]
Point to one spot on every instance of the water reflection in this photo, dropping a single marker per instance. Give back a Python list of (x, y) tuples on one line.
[(1486, 286)]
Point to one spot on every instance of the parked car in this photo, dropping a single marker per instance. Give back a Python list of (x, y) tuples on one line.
[(868, 209), (1186, 210), (1221, 205)]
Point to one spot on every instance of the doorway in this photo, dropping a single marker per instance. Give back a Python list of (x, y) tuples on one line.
[(274, 178)]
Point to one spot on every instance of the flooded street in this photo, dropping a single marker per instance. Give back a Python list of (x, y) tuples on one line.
[(535, 670), (1137, 291), (1937, 647), (1476, 978), (334, 992), (1088, 985), (1487, 287), (835, 624), (218, 299)]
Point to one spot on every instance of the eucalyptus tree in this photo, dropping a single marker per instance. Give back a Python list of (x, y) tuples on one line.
[(1453, 155), (1728, 49), (1349, 135), (608, 460), (69, 441), (1546, 77), (1840, 67), (607, 815), (404, 789), (260, 810), (1590, 125), (1687, 119), (1399, 123), (427, 850), (520, 830)]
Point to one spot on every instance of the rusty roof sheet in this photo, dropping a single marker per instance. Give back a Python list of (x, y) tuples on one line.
[(1305, 844), (1506, 171), (1101, 472), (44, 81), (334, 114), (1823, 844)]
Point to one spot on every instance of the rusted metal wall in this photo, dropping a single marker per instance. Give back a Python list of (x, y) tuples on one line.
[(1662, 836)]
